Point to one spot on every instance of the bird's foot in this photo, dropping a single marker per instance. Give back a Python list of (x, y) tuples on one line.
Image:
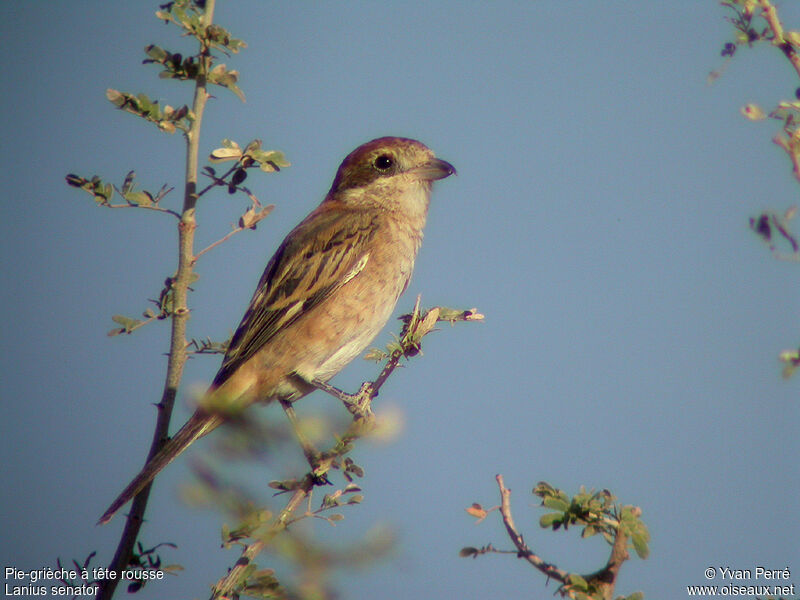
[(358, 404)]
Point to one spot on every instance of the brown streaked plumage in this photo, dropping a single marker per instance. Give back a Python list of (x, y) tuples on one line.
[(325, 294)]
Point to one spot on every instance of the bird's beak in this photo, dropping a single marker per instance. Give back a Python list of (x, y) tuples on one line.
[(434, 169)]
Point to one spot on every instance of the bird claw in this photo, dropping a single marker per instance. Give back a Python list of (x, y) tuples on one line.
[(357, 404)]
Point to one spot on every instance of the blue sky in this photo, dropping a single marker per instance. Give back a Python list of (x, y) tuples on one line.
[(598, 220)]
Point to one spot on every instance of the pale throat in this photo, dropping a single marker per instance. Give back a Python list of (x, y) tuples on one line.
[(414, 201)]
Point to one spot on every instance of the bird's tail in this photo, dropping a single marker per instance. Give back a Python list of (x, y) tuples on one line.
[(196, 427)]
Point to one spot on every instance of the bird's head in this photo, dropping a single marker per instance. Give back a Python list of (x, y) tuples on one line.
[(390, 173)]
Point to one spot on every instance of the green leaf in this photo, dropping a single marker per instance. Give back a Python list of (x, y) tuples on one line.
[(550, 519), (262, 584), (329, 501), (556, 503), (640, 540), (278, 158), (284, 486), (75, 180), (139, 198), (172, 568), (578, 582), (224, 154), (271, 161), (115, 97), (156, 53), (543, 489), (220, 75), (355, 470), (127, 185), (236, 90), (376, 355), (127, 323), (145, 104)]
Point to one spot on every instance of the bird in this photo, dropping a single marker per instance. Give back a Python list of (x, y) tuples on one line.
[(325, 294)]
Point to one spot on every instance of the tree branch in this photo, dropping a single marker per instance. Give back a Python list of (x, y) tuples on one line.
[(771, 17), (598, 517), (516, 538), (237, 576), (180, 315)]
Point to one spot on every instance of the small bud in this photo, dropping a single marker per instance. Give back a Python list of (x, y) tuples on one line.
[(753, 112)]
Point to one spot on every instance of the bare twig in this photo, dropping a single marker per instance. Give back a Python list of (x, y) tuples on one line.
[(223, 239), (217, 180), (309, 451), (248, 220), (145, 207), (133, 328), (154, 200), (522, 548)]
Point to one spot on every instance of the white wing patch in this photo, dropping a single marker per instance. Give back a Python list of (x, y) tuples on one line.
[(362, 262)]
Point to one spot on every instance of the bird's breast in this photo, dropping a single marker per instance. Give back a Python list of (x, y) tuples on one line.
[(360, 308)]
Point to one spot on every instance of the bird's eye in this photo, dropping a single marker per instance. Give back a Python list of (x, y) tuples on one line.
[(384, 162)]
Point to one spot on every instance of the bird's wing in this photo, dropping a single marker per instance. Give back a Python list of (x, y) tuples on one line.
[(322, 253)]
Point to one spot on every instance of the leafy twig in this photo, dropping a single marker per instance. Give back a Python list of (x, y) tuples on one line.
[(103, 192), (415, 328), (247, 221), (597, 513)]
